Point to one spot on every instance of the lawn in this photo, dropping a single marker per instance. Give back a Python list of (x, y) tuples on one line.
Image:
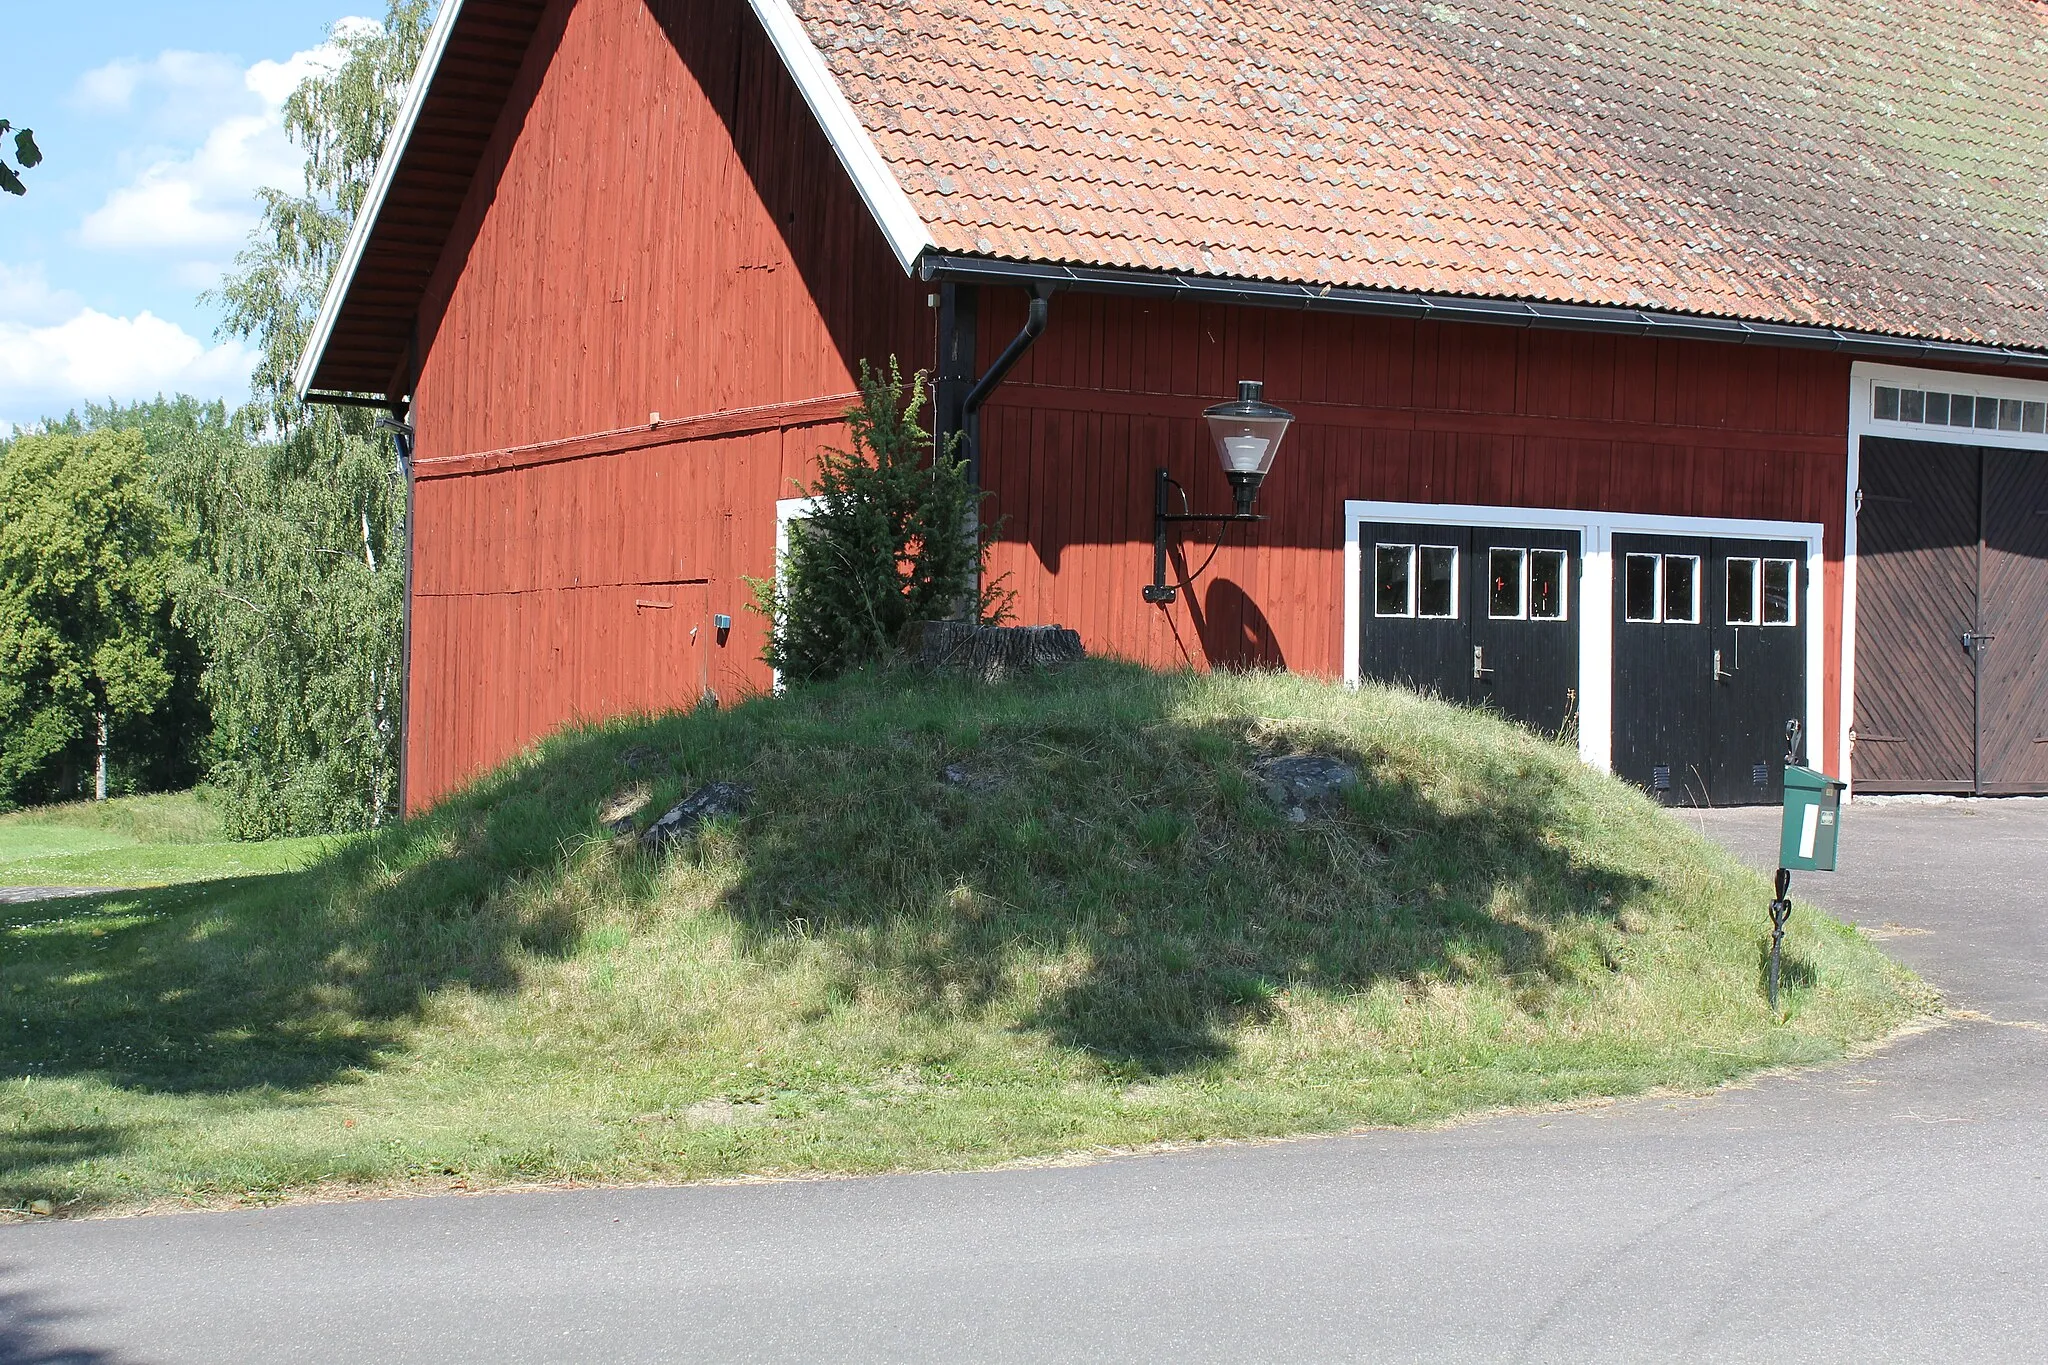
[(959, 925), (136, 841)]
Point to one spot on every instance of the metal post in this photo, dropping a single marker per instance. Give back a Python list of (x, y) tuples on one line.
[(1781, 911), (1159, 593)]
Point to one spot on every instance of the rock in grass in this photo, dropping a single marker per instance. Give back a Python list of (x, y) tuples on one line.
[(1301, 783), (639, 758), (619, 814), (962, 776), (708, 802)]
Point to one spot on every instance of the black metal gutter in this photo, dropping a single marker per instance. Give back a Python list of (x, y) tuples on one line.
[(939, 266), (354, 400)]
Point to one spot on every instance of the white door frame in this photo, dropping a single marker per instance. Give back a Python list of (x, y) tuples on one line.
[(1595, 615), (786, 511), (1864, 378)]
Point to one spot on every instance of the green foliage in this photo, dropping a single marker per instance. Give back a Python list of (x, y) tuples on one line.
[(892, 539), (27, 156), (296, 588), (87, 648)]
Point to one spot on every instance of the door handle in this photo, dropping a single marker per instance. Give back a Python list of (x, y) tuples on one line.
[(1480, 672), (1720, 674), (1971, 639)]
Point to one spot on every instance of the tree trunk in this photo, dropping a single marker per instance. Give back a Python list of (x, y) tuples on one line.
[(99, 781)]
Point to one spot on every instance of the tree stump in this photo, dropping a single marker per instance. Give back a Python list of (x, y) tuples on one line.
[(992, 653)]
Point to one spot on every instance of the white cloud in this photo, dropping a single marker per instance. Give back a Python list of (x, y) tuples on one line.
[(203, 197), (46, 369), (206, 199), (186, 83), (26, 296)]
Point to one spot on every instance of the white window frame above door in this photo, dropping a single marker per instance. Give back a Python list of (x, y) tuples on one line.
[(1864, 378), (1595, 617)]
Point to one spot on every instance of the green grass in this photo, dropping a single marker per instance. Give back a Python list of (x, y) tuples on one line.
[(136, 841), (1108, 939)]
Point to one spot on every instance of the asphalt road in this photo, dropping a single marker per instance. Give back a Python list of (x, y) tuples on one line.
[(1894, 1208)]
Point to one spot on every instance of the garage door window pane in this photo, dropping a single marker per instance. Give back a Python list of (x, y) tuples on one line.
[(1546, 585), (1682, 589), (1506, 599), (1937, 409), (1742, 597), (2009, 414), (1780, 600), (1642, 587), (1436, 590), (1394, 576)]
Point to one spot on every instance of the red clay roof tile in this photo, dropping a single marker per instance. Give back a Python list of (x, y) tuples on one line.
[(1878, 165)]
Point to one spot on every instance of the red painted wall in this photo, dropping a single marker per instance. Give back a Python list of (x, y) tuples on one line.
[(1389, 410), (659, 227)]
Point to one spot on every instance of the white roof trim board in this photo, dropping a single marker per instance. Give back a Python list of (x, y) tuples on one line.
[(908, 236), (879, 189), (373, 202)]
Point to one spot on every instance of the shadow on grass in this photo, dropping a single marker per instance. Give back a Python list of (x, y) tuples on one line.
[(1795, 973), (1111, 829)]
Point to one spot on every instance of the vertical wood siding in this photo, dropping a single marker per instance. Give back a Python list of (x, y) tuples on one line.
[(1392, 410), (658, 227)]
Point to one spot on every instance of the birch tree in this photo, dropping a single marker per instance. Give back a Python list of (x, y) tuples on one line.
[(297, 586)]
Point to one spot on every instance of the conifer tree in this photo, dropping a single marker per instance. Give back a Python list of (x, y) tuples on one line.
[(891, 539)]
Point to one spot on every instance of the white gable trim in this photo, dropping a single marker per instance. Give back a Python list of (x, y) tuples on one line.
[(883, 193), (373, 202)]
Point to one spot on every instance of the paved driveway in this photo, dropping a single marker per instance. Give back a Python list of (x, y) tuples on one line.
[(1891, 1209)]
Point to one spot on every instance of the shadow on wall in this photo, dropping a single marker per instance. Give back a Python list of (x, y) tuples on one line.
[(1234, 632)]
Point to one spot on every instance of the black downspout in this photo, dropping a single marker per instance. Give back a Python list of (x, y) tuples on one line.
[(959, 325), (401, 440), (970, 410), (956, 328)]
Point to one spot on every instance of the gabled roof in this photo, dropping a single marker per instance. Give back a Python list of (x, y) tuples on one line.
[(1868, 166)]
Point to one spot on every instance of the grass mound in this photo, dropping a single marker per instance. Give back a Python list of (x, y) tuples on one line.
[(1095, 930)]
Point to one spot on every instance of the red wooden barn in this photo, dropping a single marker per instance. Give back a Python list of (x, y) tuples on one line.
[(1666, 371)]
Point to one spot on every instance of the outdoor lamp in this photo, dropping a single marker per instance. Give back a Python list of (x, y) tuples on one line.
[(1247, 435)]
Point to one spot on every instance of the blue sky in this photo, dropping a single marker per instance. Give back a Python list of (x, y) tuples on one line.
[(158, 122)]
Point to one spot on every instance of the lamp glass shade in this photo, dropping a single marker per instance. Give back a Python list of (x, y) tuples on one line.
[(1248, 432)]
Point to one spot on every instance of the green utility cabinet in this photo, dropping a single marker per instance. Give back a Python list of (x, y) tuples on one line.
[(1813, 821)]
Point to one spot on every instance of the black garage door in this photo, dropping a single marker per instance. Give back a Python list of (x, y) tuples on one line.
[(1951, 619), (1482, 617), (1709, 665)]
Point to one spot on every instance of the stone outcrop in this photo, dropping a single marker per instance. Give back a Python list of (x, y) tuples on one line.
[(708, 802)]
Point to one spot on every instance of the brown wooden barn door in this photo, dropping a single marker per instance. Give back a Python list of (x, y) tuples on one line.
[(1916, 614), (2012, 653)]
